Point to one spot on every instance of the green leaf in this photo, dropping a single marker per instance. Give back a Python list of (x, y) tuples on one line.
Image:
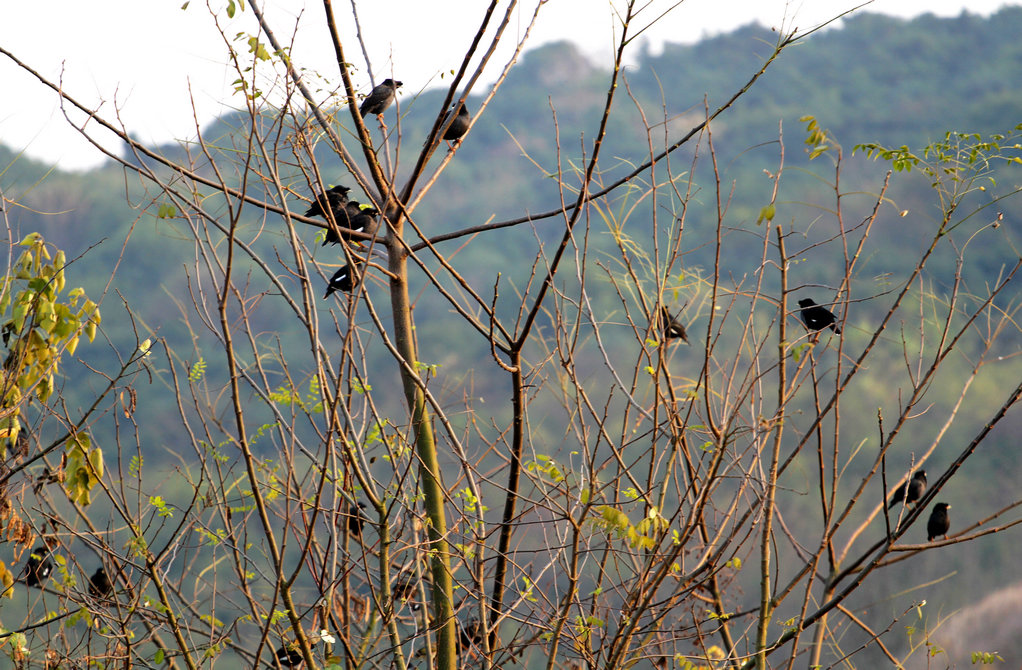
[(198, 371), (256, 47), (31, 240), (766, 214), (818, 150)]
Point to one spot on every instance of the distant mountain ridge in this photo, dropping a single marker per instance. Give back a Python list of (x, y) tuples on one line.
[(875, 78)]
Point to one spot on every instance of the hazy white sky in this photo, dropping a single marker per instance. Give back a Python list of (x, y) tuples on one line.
[(152, 60)]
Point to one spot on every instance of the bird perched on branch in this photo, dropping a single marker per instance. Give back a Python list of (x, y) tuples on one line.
[(289, 656), (343, 280), (38, 567), (816, 317), (469, 635), (939, 522), (334, 200), (912, 490), (356, 519), (380, 98), (672, 327), (355, 219), (405, 591), (99, 584), (366, 221), (459, 126)]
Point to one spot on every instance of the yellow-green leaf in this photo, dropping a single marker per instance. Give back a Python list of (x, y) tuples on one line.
[(766, 214)]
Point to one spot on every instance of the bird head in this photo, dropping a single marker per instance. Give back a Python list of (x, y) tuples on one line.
[(392, 83), (806, 302), (340, 189), (920, 474)]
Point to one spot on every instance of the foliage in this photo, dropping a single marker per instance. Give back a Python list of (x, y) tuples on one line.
[(37, 327)]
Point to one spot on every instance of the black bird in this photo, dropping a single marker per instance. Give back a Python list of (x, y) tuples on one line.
[(356, 519), (343, 280), (459, 126), (335, 199), (365, 221), (672, 327), (289, 656), (939, 522), (38, 567), (816, 317), (380, 98), (342, 217), (912, 490), (99, 584), (354, 218), (404, 590), (470, 635)]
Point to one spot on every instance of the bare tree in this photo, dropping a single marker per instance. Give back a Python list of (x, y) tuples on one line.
[(633, 502)]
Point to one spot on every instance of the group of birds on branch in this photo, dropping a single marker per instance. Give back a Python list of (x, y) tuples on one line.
[(39, 566), (911, 492), (346, 216), (349, 216), (816, 318), (383, 95)]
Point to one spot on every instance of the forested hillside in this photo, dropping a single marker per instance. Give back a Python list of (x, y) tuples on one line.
[(872, 79)]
